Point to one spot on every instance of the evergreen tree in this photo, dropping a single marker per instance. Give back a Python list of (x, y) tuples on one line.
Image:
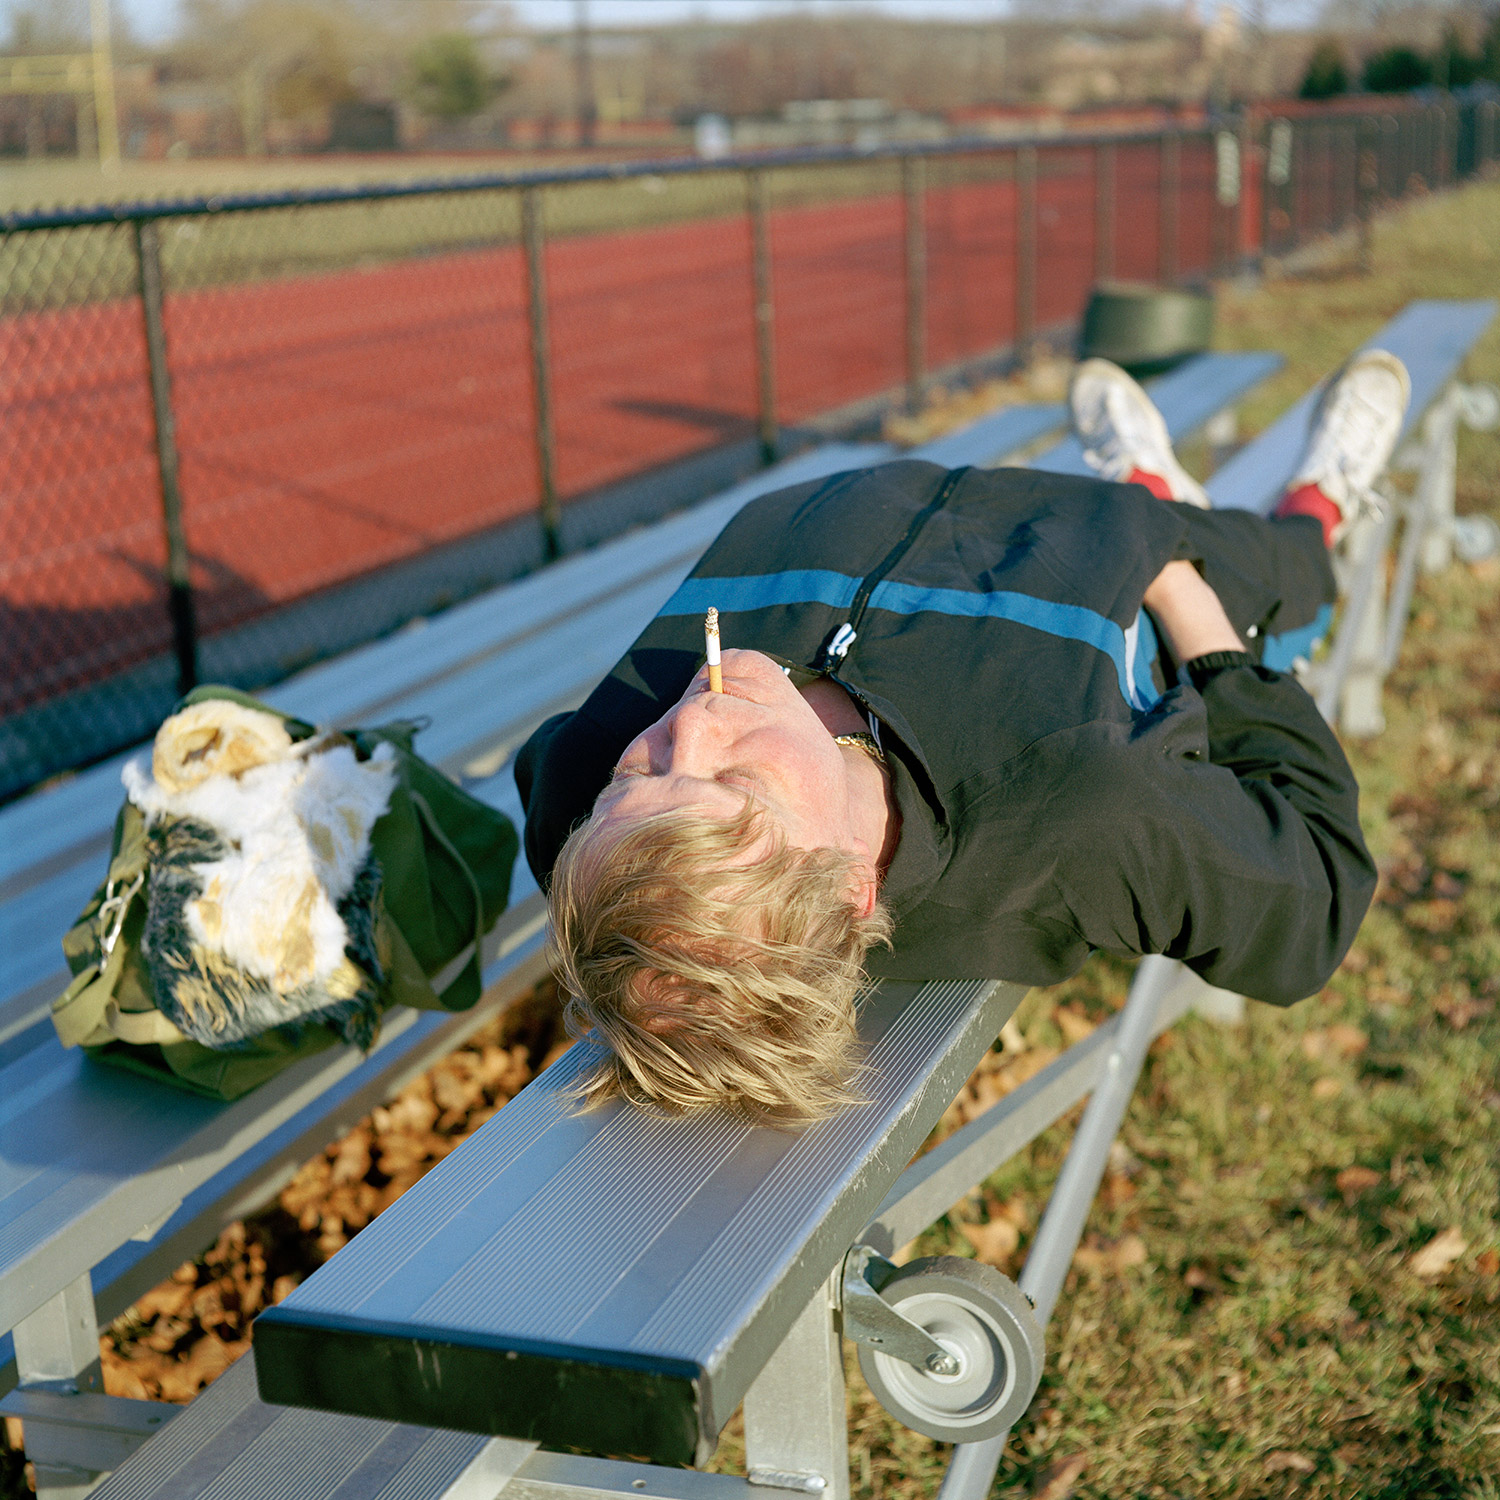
[(1326, 74), (1395, 70), (1455, 66)]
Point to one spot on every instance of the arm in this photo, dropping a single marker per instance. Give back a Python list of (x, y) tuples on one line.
[(1189, 613), (1247, 860)]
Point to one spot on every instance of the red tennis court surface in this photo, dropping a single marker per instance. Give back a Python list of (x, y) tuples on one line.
[(331, 424)]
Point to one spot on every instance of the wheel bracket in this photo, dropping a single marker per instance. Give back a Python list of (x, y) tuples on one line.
[(870, 1319)]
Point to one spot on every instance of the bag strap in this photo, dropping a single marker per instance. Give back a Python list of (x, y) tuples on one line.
[(453, 972), (141, 1026)]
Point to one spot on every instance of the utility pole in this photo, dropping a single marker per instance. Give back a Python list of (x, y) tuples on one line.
[(588, 113), (106, 124)]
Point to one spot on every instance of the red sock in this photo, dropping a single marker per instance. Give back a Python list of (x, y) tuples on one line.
[(1153, 482), (1309, 500)]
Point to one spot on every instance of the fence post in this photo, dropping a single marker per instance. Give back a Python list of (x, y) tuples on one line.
[(179, 583), (1170, 202), (1228, 171), (765, 317), (1368, 135), (1104, 210), (913, 193), (1025, 253), (1240, 239), (534, 245)]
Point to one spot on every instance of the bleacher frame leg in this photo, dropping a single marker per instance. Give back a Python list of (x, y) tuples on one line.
[(971, 1470), (57, 1351), (1359, 709), (796, 1418)]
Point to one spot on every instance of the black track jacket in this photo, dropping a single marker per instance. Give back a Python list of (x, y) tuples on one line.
[(1054, 798)]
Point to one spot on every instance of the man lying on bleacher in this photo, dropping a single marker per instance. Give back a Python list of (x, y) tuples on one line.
[(984, 723)]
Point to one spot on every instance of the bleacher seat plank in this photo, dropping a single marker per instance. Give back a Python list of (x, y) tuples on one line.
[(990, 439), (1186, 397), (1430, 338), (235, 1447), (661, 1297)]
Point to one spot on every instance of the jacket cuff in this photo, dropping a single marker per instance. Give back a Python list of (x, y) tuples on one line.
[(1203, 668)]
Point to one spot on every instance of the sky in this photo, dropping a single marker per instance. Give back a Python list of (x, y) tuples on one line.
[(152, 20)]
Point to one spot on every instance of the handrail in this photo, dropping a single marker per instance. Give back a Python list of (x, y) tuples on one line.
[(618, 171)]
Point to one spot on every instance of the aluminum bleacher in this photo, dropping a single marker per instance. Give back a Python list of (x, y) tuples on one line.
[(129, 1177)]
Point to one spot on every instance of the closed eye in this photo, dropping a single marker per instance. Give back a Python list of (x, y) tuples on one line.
[(746, 781)]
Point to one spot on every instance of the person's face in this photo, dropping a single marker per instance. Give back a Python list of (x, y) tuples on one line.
[(759, 736)]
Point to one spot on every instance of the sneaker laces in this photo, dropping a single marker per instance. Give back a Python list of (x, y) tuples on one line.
[(1362, 422), (1126, 444)]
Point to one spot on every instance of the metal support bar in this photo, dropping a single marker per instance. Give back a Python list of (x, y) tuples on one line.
[(534, 246), (933, 1183), (179, 585), (796, 1420), (972, 1468), (1025, 252), (84, 1432), (764, 304), (564, 1476), (1430, 522), (57, 1351), (914, 200), (1170, 204), (1105, 174), (1437, 483), (1358, 643)]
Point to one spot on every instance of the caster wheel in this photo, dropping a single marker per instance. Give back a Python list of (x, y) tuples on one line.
[(985, 1322)]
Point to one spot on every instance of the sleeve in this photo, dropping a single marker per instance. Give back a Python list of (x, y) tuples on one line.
[(1241, 846), (560, 770)]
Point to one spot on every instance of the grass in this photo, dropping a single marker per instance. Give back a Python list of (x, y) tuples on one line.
[(1246, 1318)]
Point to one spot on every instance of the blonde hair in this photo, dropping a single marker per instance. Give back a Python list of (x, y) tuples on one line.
[(715, 982)]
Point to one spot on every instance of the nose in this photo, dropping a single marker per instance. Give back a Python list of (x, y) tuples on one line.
[(697, 735)]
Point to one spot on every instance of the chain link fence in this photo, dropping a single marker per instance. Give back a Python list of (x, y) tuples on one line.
[(240, 434)]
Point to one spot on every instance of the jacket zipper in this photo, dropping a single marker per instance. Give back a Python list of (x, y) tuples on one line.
[(836, 646)]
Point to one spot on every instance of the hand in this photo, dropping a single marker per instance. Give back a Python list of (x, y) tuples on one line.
[(1188, 613)]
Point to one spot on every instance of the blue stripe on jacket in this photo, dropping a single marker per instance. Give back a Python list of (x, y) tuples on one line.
[(1282, 651), (1132, 651)]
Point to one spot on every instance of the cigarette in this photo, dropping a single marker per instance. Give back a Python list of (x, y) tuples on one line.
[(711, 641)]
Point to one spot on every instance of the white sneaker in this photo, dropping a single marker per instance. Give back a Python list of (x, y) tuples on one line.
[(1122, 431), (1354, 432)]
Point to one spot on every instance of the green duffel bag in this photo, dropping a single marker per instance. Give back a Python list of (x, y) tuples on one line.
[(151, 994)]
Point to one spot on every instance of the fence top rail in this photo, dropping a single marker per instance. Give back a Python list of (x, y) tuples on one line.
[(680, 166)]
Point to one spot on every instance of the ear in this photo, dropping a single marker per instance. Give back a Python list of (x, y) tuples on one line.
[(865, 890)]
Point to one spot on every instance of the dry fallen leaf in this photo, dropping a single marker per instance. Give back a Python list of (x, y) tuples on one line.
[(1437, 1254), (1353, 1181), (1458, 1007), (1101, 1258), (1073, 1024), (1284, 1461), (1327, 1088), (1060, 1480), (1488, 1262), (1339, 1040), (994, 1243)]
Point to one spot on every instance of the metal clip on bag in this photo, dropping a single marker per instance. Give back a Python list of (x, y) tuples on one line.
[(144, 997)]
